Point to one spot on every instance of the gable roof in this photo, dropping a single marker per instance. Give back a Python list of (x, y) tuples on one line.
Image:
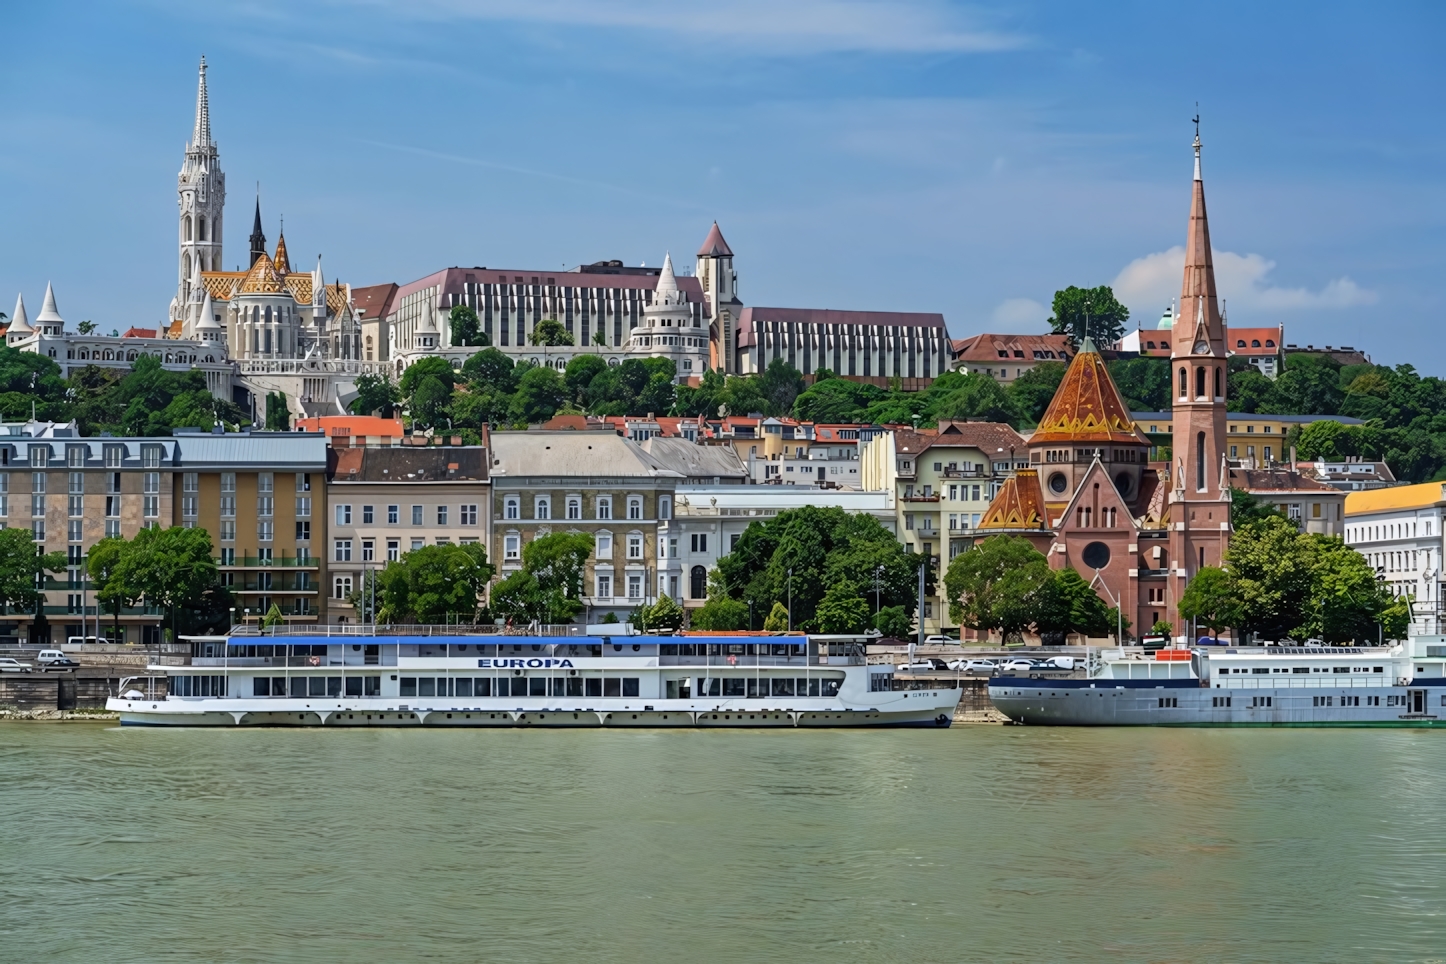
[(989, 437), (1087, 407), (1097, 474), (1019, 506), (986, 348), (714, 246)]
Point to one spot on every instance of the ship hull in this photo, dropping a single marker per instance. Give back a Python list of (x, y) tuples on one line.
[(1185, 703)]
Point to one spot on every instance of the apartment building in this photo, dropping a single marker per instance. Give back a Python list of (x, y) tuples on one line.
[(584, 481), (943, 481), (387, 501), (1254, 441), (1400, 532), (71, 492)]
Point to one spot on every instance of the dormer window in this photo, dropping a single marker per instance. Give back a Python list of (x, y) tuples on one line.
[(1255, 343), (1240, 343), (1270, 343), (1003, 353)]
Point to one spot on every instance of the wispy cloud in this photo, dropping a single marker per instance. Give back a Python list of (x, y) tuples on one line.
[(795, 26), (1019, 316), (1147, 284)]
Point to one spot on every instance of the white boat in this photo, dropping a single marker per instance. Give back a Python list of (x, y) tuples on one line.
[(1398, 685), (504, 680)]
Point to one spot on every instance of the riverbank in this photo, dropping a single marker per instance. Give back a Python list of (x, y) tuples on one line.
[(57, 716)]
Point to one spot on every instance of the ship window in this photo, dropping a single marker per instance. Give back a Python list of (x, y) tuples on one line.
[(427, 686), (353, 686), (733, 686), (594, 687), (630, 686), (1261, 669), (409, 686), (612, 687)]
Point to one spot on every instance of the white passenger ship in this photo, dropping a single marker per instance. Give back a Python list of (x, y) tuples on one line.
[(464, 680), (1400, 685)]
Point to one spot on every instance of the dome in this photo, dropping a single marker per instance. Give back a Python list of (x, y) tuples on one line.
[(1167, 320)]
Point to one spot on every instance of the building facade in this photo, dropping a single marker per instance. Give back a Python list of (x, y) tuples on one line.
[(388, 501), (1399, 531), (597, 483)]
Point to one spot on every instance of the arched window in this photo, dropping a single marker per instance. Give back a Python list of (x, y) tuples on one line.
[(201, 229), (1255, 343), (1218, 392), (1240, 343), (1200, 381), (268, 314), (1200, 462), (698, 583), (186, 227), (1183, 382), (1270, 343), (186, 266)]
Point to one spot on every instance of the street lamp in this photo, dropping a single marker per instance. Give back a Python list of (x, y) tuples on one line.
[(790, 599)]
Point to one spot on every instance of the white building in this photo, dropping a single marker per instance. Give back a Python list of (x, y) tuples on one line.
[(1399, 531)]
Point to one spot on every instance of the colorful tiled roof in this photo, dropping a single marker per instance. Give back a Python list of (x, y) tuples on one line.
[(262, 278), (1087, 406), (1019, 504)]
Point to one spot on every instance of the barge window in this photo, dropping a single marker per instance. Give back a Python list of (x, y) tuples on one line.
[(733, 686), (353, 686), (1260, 669), (298, 686), (426, 686), (782, 687), (630, 686), (612, 687), (537, 686), (757, 689), (464, 686), (594, 686), (316, 686), (333, 686), (409, 686), (709, 686)]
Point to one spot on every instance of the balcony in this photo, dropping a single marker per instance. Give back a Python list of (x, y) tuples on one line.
[(279, 562), (965, 473), (920, 498), (283, 586)]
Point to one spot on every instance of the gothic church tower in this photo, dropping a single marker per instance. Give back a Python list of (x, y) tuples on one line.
[(1199, 485), (201, 190), (720, 291)]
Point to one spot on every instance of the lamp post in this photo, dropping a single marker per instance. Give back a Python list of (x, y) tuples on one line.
[(790, 599)]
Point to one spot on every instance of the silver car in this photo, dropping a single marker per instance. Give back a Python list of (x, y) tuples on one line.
[(8, 665)]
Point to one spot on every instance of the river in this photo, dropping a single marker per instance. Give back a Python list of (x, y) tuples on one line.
[(978, 843)]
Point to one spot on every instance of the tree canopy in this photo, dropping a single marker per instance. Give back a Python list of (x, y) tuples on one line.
[(435, 584), (466, 328), (22, 566), (548, 588), (172, 569), (1074, 308)]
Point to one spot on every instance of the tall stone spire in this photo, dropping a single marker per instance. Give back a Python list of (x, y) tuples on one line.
[(1198, 302), (667, 289), (258, 239), (201, 136)]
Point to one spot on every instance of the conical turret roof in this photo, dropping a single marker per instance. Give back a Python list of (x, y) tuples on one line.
[(208, 314), (48, 312), (1018, 506), (714, 246), (19, 322), (1087, 406), (667, 289), (1198, 302), (281, 262)]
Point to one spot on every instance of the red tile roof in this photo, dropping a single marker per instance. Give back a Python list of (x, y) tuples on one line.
[(374, 301), (1255, 341), (140, 333), (714, 246), (1087, 407), (987, 348)]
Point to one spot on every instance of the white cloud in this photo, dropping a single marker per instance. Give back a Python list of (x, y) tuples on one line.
[(1019, 316), (798, 26), (1147, 284)]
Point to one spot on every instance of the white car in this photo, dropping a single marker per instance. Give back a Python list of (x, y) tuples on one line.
[(1018, 665), (938, 641), (1060, 663), (8, 665), (979, 667)]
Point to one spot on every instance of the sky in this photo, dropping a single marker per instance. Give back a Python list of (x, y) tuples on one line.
[(912, 155)]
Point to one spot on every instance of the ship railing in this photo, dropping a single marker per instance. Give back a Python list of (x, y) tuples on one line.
[(1280, 682), (407, 629)]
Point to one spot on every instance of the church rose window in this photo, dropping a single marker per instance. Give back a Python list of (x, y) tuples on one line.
[(1096, 555), (1057, 482)]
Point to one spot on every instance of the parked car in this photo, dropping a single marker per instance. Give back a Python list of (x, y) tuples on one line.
[(8, 665), (922, 665), (1061, 663), (978, 667), (1017, 665), (938, 641), (57, 664), (48, 655)]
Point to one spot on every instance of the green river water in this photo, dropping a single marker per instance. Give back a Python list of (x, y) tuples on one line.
[(978, 843)]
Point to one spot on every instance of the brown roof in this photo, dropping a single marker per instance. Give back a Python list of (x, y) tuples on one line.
[(1019, 504), (1255, 341), (1031, 348), (140, 333), (1087, 407), (1275, 480), (986, 436), (911, 443), (412, 464), (714, 245), (374, 301)]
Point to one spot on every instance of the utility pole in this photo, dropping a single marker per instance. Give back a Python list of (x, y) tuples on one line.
[(921, 601), (790, 599)]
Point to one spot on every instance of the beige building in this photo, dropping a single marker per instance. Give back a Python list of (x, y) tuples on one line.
[(942, 483), (257, 494), (1313, 505), (387, 501), (593, 482)]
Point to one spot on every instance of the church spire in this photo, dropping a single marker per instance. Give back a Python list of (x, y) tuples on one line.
[(1197, 290), (258, 239), (201, 136)]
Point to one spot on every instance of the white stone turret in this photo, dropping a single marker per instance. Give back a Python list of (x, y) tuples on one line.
[(20, 328), (49, 322), (201, 196)]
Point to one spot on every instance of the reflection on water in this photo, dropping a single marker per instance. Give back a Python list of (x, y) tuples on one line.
[(976, 843)]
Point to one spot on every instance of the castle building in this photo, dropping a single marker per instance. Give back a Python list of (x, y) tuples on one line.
[(1090, 499)]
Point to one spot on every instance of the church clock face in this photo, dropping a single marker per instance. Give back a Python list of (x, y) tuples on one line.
[(1202, 348)]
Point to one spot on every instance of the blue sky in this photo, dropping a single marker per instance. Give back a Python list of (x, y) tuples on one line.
[(911, 155)]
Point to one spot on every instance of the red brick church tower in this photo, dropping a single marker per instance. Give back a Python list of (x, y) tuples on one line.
[(1199, 501)]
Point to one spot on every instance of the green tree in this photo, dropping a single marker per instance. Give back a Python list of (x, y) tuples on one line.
[(466, 328), (27, 378), (1072, 606), (1249, 392), (780, 383), (420, 370), (375, 393), (491, 368), (979, 397), (1143, 383), (278, 418), (1097, 307), (998, 584), (273, 617), (721, 613), (169, 568), (665, 614), (893, 622), (842, 610), (431, 402), (1212, 599), (777, 619), (540, 393), (86, 327), (1308, 386), (1245, 507), (366, 599), (550, 331), (1031, 393), (836, 400), (600, 339), (548, 587), (579, 375), (1347, 602), (22, 567), (435, 584), (102, 563)]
